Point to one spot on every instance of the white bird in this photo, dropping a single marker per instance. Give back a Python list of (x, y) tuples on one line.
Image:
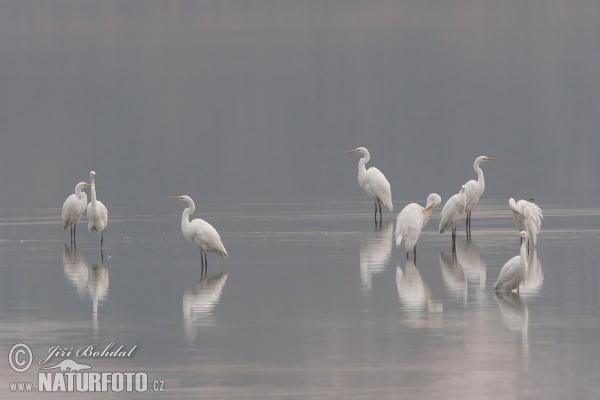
[(514, 271), (411, 220), (74, 207), (452, 213), (97, 213), (474, 189), (527, 217), (373, 182), (201, 233)]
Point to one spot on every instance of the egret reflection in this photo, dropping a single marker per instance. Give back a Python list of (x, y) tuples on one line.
[(515, 316), (90, 280), (199, 302), (454, 276), (414, 295), (375, 253), (473, 266)]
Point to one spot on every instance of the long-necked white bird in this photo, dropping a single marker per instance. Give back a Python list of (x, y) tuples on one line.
[(452, 213), (527, 217), (373, 182), (74, 207), (514, 271), (411, 220), (96, 212), (201, 233), (474, 189)]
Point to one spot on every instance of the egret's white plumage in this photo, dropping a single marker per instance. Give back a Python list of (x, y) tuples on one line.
[(373, 182), (474, 188), (412, 219), (200, 232), (514, 271), (96, 212), (452, 212), (527, 217), (74, 207)]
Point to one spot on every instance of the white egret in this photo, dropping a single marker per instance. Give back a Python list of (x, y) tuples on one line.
[(97, 213), (201, 233), (411, 220), (373, 182), (474, 189), (514, 271), (74, 207), (527, 217), (452, 213)]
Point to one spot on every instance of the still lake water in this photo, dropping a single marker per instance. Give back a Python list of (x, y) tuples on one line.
[(248, 107)]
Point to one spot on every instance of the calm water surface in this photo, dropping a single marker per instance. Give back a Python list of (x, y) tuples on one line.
[(313, 302)]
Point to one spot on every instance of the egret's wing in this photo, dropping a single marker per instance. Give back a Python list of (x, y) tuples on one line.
[(378, 186), (409, 221)]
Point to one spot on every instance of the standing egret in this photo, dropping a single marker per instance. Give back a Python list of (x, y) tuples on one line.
[(474, 189), (201, 233), (452, 213), (514, 271), (374, 183), (73, 208), (411, 220), (527, 217), (96, 213)]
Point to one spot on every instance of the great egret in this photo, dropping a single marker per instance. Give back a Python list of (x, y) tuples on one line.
[(74, 208), (514, 271), (474, 189), (527, 217), (452, 213), (201, 233), (411, 220), (373, 182), (97, 213)]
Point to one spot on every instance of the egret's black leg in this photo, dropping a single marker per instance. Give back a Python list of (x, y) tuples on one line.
[(407, 253), (380, 213), (415, 251)]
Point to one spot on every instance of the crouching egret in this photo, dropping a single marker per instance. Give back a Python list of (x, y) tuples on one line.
[(514, 271), (97, 213), (411, 220), (373, 182), (74, 207), (527, 217), (452, 213), (474, 189), (201, 233)]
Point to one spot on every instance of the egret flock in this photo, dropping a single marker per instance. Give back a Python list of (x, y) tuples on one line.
[(409, 222)]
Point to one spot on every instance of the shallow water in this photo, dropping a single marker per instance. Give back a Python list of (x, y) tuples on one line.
[(312, 302)]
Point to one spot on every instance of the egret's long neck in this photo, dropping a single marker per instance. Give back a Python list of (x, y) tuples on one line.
[(93, 191), (361, 164), (185, 216), (524, 252), (480, 178)]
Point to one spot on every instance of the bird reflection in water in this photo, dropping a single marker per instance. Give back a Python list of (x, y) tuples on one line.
[(454, 276), (90, 280), (415, 296), (473, 266), (199, 302), (375, 253), (515, 317)]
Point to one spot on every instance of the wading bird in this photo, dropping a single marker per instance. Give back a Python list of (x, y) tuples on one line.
[(452, 213), (474, 189), (514, 271), (527, 217), (411, 220), (374, 183), (201, 233), (74, 208), (97, 213)]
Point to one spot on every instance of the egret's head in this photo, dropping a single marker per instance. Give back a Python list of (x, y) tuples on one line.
[(362, 150), (92, 174), (433, 200), (522, 234), (462, 188)]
